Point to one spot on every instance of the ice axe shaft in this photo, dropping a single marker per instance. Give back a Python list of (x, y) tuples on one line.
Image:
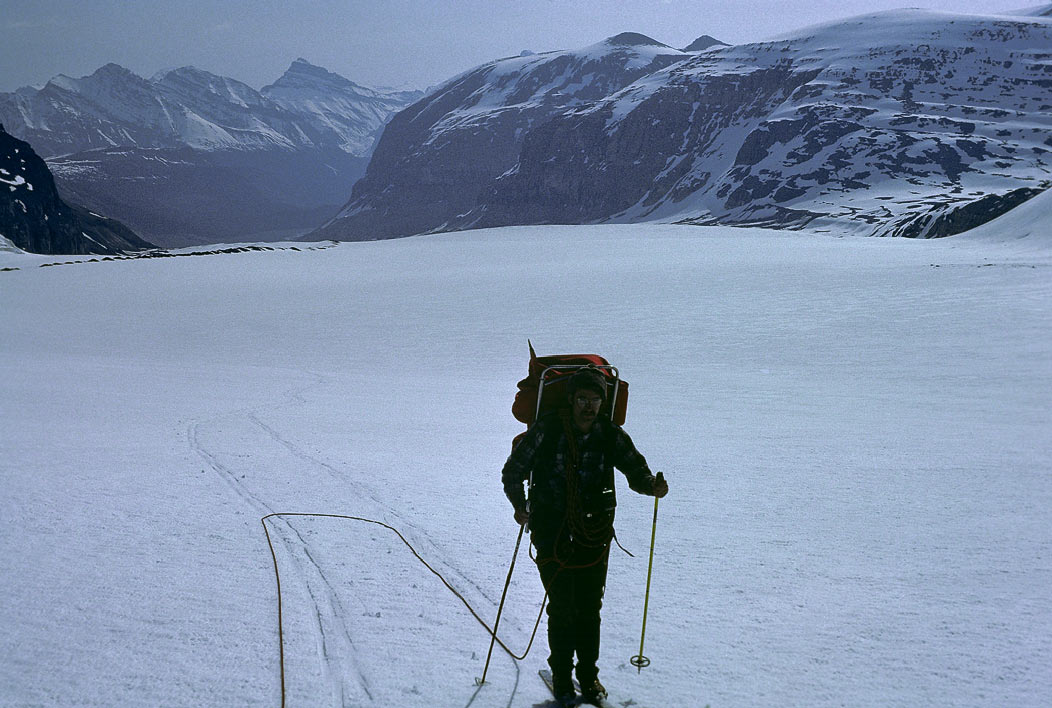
[(639, 661)]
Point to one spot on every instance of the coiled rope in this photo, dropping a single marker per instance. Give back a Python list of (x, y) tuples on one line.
[(277, 578), (592, 531)]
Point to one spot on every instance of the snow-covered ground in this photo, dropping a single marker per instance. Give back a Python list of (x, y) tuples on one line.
[(856, 434)]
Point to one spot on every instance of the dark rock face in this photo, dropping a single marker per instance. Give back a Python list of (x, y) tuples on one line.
[(35, 219), (437, 156), (958, 219), (575, 169)]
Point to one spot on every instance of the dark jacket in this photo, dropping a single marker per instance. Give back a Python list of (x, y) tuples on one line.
[(546, 450)]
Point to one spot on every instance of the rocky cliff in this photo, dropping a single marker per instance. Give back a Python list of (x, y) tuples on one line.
[(437, 157), (34, 218), (906, 123)]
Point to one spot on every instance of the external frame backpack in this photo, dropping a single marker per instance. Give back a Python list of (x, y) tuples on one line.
[(545, 387)]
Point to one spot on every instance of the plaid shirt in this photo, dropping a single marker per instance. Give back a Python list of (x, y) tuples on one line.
[(545, 450)]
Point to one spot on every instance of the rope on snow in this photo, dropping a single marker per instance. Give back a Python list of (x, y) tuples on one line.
[(277, 578)]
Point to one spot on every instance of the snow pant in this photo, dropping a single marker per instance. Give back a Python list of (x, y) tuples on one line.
[(575, 597)]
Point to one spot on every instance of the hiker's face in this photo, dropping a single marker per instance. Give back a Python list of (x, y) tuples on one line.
[(585, 408)]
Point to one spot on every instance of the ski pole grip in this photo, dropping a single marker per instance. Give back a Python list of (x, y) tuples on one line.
[(659, 480)]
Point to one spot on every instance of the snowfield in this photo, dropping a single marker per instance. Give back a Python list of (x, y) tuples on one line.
[(856, 433)]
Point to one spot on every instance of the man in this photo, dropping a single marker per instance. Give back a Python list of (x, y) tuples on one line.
[(572, 455)]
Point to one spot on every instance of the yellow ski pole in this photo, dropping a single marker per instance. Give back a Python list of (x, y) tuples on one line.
[(639, 661), (500, 609)]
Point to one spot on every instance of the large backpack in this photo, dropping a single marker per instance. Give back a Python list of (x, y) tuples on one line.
[(544, 388)]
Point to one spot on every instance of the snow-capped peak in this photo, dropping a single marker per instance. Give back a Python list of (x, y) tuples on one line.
[(191, 74), (704, 42), (632, 39), (189, 107), (61, 81), (108, 75), (301, 75), (114, 71)]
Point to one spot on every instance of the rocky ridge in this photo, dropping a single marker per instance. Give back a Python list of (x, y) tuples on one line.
[(307, 108)]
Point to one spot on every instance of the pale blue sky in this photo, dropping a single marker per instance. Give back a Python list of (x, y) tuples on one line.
[(411, 43)]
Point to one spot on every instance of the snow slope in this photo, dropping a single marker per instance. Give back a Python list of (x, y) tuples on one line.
[(1029, 225), (7, 247), (856, 435)]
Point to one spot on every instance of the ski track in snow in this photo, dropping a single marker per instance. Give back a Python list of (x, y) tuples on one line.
[(389, 513), (336, 646)]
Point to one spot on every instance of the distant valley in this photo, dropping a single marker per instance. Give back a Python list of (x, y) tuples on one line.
[(188, 157)]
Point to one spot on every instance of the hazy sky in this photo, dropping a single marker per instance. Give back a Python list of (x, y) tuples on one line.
[(404, 43)]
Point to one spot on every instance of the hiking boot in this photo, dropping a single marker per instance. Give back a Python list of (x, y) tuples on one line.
[(562, 687), (593, 691)]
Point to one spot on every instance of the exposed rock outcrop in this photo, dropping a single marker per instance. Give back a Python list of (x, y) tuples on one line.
[(35, 219)]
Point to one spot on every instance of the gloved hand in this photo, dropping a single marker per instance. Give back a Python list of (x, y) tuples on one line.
[(660, 487), (522, 516)]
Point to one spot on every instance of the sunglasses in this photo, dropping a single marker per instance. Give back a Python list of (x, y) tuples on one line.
[(589, 401)]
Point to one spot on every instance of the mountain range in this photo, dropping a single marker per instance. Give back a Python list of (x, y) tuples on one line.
[(907, 123), (903, 123), (191, 157)]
